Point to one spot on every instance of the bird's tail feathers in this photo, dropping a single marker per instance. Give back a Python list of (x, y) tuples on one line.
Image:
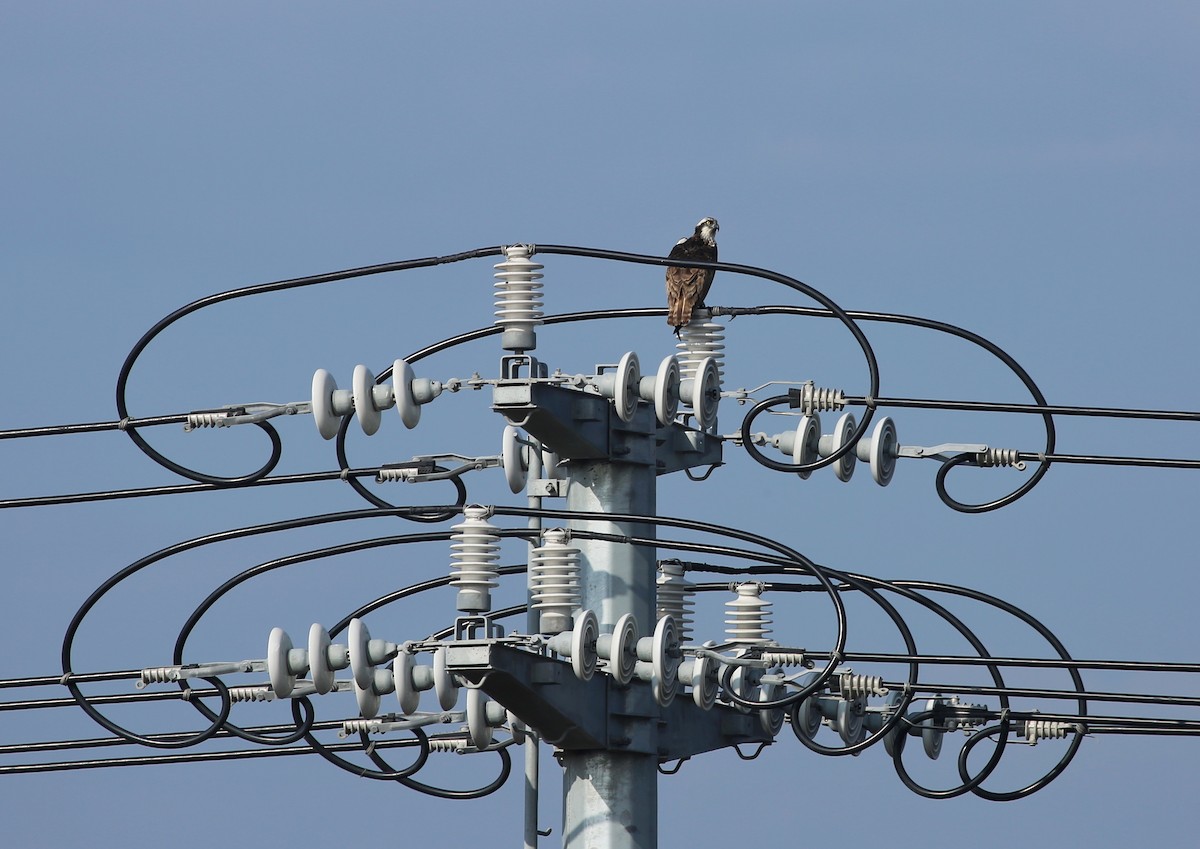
[(679, 313)]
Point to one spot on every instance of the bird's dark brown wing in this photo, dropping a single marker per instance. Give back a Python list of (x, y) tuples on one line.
[(683, 292), (688, 287)]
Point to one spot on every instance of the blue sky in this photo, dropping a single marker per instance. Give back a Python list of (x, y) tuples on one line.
[(1027, 171)]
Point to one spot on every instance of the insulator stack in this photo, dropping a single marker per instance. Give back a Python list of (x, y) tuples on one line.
[(1046, 729), (676, 597), (476, 549), (748, 617), (554, 581), (700, 338), (518, 298)]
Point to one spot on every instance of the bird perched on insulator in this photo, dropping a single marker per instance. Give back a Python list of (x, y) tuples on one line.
[(688, 287)]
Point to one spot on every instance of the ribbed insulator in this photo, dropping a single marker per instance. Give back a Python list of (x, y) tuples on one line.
[(518, 298), (859, 686), (748, 617), (554, 581), (1046, 729), (700, 338), (676, 597), (473, 564)]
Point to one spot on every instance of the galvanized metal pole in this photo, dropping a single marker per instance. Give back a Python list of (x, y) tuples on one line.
[(532, 753), (610, 799), (532, 782)]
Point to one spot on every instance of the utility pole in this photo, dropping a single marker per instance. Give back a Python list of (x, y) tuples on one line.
[(605, 670), (612, 456)]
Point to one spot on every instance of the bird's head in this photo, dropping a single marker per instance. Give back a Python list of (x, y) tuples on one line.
[(707, 230)]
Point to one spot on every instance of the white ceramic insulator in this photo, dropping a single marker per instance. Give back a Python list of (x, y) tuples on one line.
[(554, 581), (476, 549), (748, 617), (676, 598), (700, 338), (284, 662), (518, 298), (477, 720)]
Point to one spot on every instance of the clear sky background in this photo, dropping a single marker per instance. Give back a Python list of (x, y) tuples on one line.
[(1027, 170)]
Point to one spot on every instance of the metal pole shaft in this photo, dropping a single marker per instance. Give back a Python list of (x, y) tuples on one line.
[(531, 790), (610, 799), (532, 622)]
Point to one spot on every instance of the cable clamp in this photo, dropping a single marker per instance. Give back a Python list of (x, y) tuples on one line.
[(236, 414), (944, 452), (812, 399), (1000, 457)]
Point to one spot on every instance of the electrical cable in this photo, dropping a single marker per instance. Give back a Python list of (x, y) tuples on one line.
[(178, 489), (869, 401), (390, 774), (221, 297), (792, 562), (187, 545)]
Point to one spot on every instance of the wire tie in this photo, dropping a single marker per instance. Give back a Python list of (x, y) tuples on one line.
[(869, 402), (65, 680), (344, 474), (123, 424)]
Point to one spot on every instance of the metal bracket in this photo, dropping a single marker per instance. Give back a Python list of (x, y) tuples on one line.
[(548, 488), (597, 714), (942, 452)]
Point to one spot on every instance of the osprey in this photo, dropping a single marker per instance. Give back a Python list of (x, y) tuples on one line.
[(688, 287)]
